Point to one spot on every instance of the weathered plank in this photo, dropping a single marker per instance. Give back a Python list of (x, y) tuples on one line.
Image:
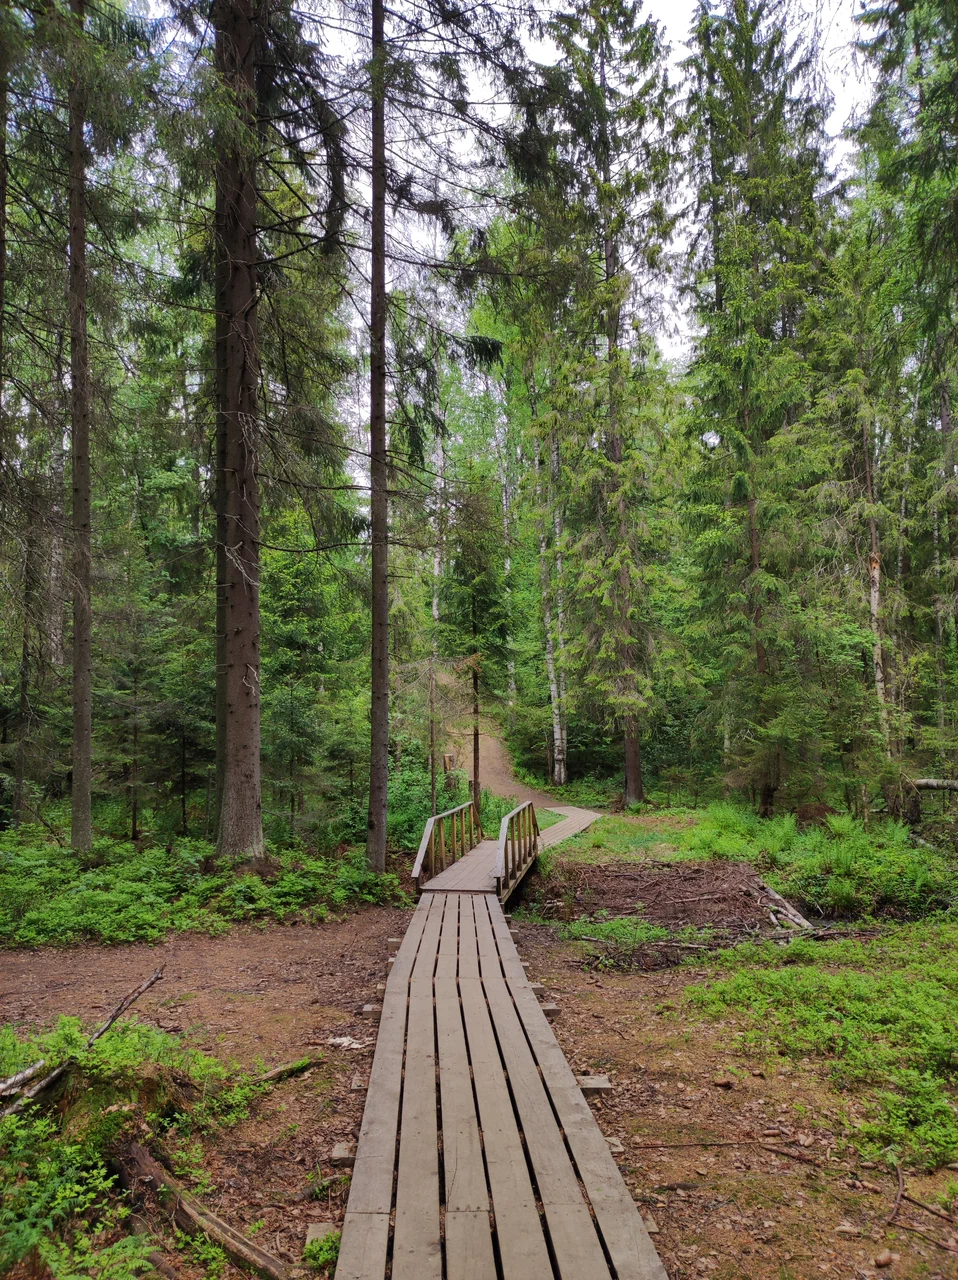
[(468, 945), (522, 1246), (469, 1253), (417, 1250), (372, 1183), (447, 961), (362, 1250), (576, 1247)]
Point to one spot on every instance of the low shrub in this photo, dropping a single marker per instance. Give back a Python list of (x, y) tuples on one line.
[(124, 893), (882, 1014)]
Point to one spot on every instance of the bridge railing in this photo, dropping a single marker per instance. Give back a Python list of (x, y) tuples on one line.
[(447, 837), (518, 847)]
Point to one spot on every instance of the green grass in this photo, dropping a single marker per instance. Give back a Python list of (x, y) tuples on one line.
[(122, 893), (620, 838), (546, 818), (59, 1195), (880, 1015), (842, 869)]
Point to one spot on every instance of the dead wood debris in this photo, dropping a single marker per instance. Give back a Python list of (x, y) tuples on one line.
[(139, 1170), (16, 1083)]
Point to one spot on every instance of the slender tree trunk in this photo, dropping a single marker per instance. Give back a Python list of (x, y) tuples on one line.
[(476, 792), (56, 648), (4, 111), (505, 489), (558, 765), (634, 787), (561, 770), (761, 657), (81, 835), (135, 763), (23, 699), (378, 468), (939, 630), (434, 647), (874, 595), (184, 818), (240, 813), (945, 418)]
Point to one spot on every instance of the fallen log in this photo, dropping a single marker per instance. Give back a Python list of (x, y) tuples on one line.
[(16, 1082), (785, 908), (287, 1069), (934, 784), (139, 1169)]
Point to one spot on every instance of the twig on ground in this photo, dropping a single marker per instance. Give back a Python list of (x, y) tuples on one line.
[(287, 1069), (928, 1208), (898, 1198), (190, 1215), (925, 1236), (29, 1094)]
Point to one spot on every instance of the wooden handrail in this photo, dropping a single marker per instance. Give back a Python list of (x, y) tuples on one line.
[(464, 836), (518, 846)]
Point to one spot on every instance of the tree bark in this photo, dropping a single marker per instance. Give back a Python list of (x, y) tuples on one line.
[(239, 834), (81, 834), (378, 471), (634, 787), (23, 716), (874, 594), (561, 770)]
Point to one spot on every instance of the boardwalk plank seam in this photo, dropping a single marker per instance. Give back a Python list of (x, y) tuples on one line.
[(479, 1157)]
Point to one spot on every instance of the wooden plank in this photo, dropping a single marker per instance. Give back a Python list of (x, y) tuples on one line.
[(522, 1245), (620, 1223), (447, 959), (465, 1176), (408, 948), (371, 1190), (489, 963), (469, 1253), (468, 945), (362, 1250), (576, 1247), (417, 1250), (429, 945), (511, 964)]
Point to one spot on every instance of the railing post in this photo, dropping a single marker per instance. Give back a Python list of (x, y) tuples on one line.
[(432, 851), (442, 843), (472, 833)]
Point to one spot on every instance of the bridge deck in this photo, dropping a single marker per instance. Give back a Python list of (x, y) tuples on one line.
[(478, 1157), (475, 872)]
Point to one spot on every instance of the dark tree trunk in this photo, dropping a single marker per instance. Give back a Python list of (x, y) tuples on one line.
[(81, 835), (766, 800), (634, 787), (4, 108), (476, 793), (379, 506), (239, 828), (23, 699)]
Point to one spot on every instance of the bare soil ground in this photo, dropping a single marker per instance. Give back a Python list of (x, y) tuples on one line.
[(255, 995), (725, 895), (731, 1212)]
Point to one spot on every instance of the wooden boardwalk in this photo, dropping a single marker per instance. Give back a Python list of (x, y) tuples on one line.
[(475, 872), (478, 1156)]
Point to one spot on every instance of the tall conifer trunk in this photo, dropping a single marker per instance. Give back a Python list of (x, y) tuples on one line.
[(378, 473), (81, 833), (239, 832)]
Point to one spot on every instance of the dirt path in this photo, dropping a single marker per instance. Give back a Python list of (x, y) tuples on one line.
[(495, 767)]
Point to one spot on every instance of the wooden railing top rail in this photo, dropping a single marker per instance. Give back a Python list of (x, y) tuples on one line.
[(430, 826), (504, 835)]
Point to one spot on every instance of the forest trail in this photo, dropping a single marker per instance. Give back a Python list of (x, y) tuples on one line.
[(477, 1142), (495, 765)]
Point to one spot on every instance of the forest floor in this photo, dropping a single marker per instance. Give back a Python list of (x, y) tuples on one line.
[(740, 1159)]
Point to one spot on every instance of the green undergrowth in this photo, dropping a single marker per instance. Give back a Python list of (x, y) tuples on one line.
[(60, 1203), (125, 893), (621, 838), (841, 869), (881, 1016)]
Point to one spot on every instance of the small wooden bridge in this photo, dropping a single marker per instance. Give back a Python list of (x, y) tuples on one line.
[(479, 1157)]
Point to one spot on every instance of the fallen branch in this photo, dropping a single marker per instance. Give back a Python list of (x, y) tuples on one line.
[(928, 1208), (29, 1072), (784, 907), (898, 1198), (287, 1069), (192, 1216), (925, 1236)]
